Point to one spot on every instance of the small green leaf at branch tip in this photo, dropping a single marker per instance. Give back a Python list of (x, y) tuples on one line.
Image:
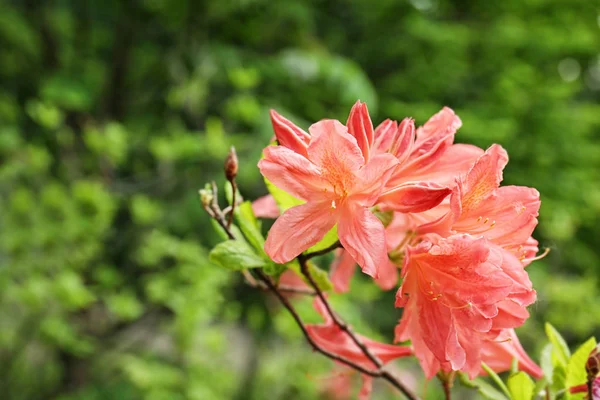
[(576, 373), (486, 390), (236, 255), (244, 216), (561, 353), (222, 234), (521, 386), (494, 376)]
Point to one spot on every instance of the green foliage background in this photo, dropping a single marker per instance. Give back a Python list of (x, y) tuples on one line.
[(113, 114)]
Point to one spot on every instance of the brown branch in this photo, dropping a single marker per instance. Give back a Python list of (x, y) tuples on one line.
[(282, 288), (341, 324), (334, 246), (215, 212)]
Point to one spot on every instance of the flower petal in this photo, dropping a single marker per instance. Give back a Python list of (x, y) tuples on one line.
[(371, 179), (404, 140), (456, 160), (342, 270), (413, 197), (360, 126), (265, 207), (385, 134), (483, 178), (442, 124), (292, 173), (333, 149), (289, 135), (298, 229), (500, 352), (363, 236), (388, 275)]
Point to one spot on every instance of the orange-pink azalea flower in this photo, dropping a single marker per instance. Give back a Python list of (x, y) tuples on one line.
[(338, 187), (451, 294), (479, 206)]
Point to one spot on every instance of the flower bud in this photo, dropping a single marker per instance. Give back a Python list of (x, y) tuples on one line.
[(592, 366), (206, 196), (231, 165)]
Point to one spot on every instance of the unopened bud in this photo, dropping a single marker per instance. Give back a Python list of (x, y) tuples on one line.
[(592, 366), (231, 165), (206, 196)]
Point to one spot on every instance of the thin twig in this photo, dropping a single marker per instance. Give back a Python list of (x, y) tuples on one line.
[(341, 324), (285, 302), (282, 287), (215, 212), (334, 246)]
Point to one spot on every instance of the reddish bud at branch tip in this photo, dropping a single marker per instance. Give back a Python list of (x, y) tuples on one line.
[(231, 165)]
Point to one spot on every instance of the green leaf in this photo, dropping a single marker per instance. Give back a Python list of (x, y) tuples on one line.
[(250, 227), (521, 386), (237, 233), (486, 390), (560, 353), (576, 374), (274, 269), (546, 362), (283, 199), (228, 189), (329, 239), (236, 255), (496, 379)]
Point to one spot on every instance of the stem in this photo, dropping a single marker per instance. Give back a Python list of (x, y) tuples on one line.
[(341, 324), (334, 246), (265, 281), (447, 380)]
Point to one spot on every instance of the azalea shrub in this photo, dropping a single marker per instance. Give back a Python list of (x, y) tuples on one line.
[(420, 215)]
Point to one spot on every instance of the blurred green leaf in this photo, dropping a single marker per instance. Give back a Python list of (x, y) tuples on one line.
[(560, 353), (486, 390), (236, 255), (521, 386)]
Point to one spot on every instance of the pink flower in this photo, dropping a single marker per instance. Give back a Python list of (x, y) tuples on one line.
[(338, 187), (330, 337), (505, 215), (428, 162), (405, 193), (451, 294), (498, 353)]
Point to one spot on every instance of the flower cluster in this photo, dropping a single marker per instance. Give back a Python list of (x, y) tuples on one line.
[(454, 240)]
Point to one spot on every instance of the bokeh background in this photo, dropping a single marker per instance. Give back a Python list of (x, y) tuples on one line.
[(114, 113)]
